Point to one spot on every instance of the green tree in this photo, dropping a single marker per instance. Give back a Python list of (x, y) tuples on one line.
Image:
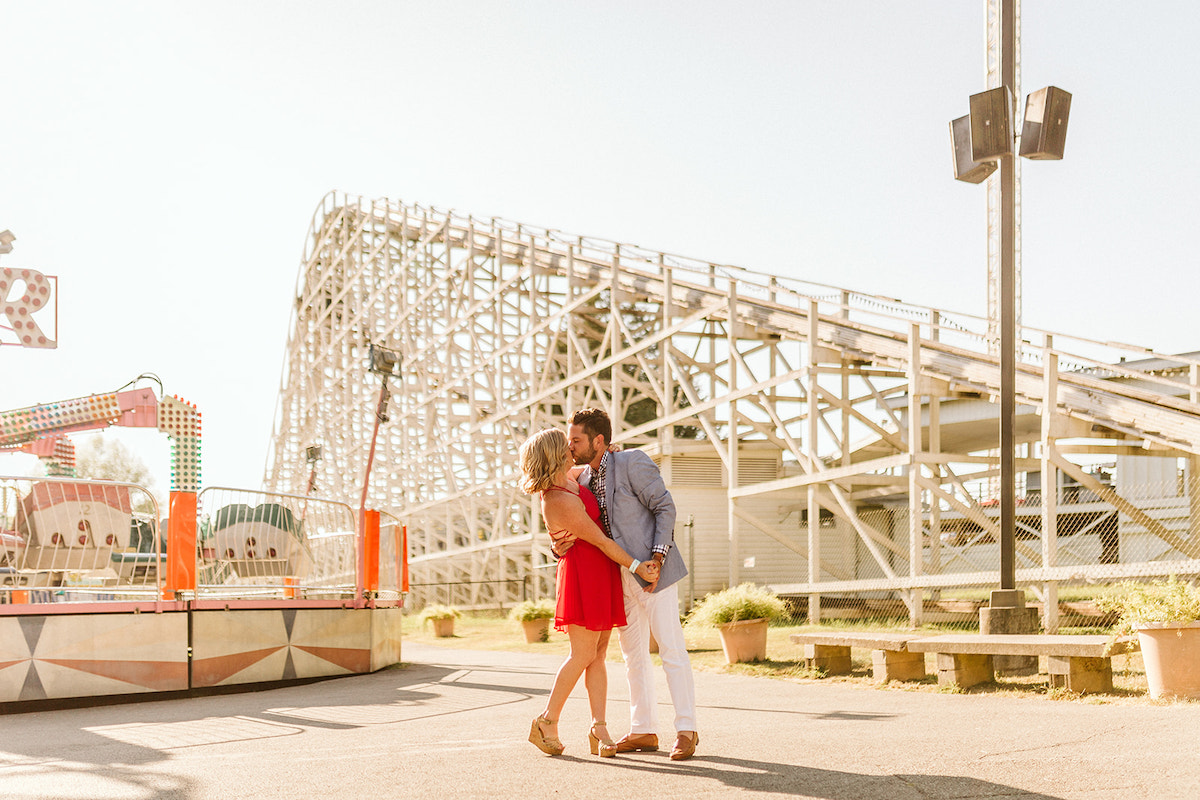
[(103, 459)]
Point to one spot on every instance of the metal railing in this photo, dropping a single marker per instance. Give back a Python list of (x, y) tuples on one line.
[(496, 594), (262, 545), (73, 540)]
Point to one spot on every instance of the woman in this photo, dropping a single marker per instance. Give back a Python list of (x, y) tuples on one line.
[(589, 603)]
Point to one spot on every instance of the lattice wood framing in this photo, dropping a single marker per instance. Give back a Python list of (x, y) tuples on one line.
[(504, 328)]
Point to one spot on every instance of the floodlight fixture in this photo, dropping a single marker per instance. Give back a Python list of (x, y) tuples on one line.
[(312, 453), (980, 139), (991, 124), (1044, 132), (967, 169), (383, 361)]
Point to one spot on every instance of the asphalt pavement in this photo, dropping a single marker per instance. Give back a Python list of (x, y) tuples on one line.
[(453, 724)]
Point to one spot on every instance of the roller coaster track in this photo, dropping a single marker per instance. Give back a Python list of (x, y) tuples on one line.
[(503, 328)]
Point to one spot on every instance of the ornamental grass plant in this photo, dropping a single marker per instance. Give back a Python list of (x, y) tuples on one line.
[(743, 602), (529, 610), (438, 611), (1144, 603)]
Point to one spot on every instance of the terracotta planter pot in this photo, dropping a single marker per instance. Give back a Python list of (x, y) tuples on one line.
[(1171, 653), (536, 630), (443, 628), (745, 640)]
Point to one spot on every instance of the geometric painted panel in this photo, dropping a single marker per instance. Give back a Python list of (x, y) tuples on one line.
[(262, 645), (84, 655), (385, 637), (51, 656)]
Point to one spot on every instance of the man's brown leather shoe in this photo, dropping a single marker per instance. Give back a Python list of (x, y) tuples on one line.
[(636, 742), (685, 745)]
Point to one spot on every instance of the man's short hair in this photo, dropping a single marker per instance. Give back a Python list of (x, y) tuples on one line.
[(594, 423)]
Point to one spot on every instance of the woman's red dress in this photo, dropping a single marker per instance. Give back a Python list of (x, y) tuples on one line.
[(589, 582)]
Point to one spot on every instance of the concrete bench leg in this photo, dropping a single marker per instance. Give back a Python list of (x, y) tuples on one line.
[(828, 658), (1083, 675), (964, 669), (894, 665)]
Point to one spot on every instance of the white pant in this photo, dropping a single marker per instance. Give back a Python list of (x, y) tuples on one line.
[(656, 613)]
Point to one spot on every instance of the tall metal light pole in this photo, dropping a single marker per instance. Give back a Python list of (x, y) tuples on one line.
[(984, 141), (383, 362), (1008, 316)]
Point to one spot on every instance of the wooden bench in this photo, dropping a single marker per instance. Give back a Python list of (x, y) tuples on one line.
[(890, 658), (1077, 663)]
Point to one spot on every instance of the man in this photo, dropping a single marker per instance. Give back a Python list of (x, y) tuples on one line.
[(637, 511)]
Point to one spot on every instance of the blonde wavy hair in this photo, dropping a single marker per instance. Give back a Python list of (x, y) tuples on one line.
[(542, 456)]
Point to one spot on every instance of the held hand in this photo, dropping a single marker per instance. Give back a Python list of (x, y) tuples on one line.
[(561, 542), (657, 561), (614, 448), (648, 571)]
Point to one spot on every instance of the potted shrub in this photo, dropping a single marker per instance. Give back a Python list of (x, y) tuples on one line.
[(534, 616), (442, 618), (1166, 617), (741, 615)]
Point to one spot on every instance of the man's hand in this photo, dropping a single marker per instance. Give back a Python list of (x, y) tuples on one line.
[(561, 542), (648, 571), (657, 560)]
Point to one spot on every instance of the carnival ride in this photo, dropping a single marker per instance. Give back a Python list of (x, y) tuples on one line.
[(90, 527), (99, 596), (244, 587), (244, 541)]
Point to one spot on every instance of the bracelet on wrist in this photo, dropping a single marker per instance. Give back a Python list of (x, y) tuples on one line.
[(633, 567)]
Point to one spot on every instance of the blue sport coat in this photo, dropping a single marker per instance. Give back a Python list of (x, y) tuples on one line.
[(641, 513)]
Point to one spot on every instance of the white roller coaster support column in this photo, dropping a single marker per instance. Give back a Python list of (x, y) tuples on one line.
[(732, 437), (667, 436), (573, 360), (935, 469), (934, 566), (813, 393), (915, 557), (1049, 485), (844, 314), (615, 345), (1192, 476)]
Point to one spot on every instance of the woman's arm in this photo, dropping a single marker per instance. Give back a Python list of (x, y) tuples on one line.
[(567, 513)]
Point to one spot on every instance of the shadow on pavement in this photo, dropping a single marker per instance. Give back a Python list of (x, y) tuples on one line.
[(765, 776)]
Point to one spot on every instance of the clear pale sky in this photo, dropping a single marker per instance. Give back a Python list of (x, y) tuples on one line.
[(164, 161)]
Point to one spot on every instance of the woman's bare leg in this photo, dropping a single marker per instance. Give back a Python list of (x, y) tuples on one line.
[(596, 681), (583, 652)]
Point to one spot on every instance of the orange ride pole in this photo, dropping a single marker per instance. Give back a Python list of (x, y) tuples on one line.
[(181, 545), (404, 557), (371, 551)]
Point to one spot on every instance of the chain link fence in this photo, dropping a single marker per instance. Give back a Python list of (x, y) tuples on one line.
[(1129, 518)]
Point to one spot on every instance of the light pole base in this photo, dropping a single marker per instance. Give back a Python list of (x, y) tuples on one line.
[(1008, 614)]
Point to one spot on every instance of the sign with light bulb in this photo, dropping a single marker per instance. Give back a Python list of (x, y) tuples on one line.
[(24, 293)]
